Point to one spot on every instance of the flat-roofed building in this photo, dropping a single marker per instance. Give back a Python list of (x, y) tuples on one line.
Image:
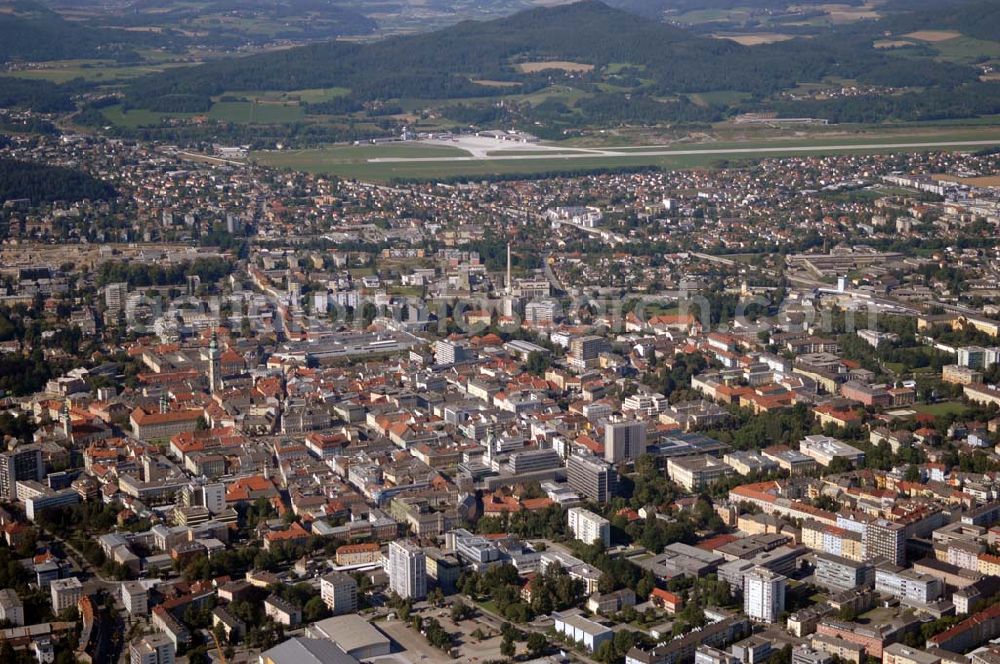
[(697, 472), (682, 559), (793, 461), (339, 592), (65, 593), (588, 527), (839, 573), (886, 539), (407, 570), (594, 478), (581, 630), (748, 547), (845, 650), (906, 584), (22, 463), (959, 375), (152, 649), (897, 653), (11, 607), (747, 462), (135, 598), (282, 611), (805, 655), (763, 595), (825, 449), (710, 655), (624, 441), (355, 636), (299, 649), (682, 649)]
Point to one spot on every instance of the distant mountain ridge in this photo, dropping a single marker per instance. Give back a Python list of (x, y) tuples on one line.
[(31, 31), (444, 64)]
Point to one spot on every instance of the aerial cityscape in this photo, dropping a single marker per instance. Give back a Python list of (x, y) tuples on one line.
[(506, 331)]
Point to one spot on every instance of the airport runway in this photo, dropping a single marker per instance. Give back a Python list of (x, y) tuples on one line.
[(553, 152)]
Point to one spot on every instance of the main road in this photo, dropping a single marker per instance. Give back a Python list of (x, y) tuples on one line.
[(554, 153)]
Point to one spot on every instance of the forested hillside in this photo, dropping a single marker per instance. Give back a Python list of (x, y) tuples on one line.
[(29, 31), (43, 183), (446, 63), (41, 96)]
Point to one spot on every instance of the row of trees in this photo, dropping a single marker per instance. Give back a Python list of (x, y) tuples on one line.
[(554, 590), (142, 275)]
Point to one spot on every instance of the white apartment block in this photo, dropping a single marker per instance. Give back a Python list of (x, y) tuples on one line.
[(624, 441), (647, 404), (339, 592), (65, 593), (407, 570), (152, 649), (135, 598), (763, 595), (907, 585), (11, 607), (588, 527)]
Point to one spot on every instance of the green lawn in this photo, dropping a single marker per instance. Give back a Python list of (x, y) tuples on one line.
[(877, 616), (942, 409), (656, 309), (849, 135), (490, 606), (320, 161), (331, 159)]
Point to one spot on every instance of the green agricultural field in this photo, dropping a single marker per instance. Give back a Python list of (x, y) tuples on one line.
[(98, 71), (967, 50), (720, 97), (308, 96), (139, 117), (702, 16), (245, 112), (563, 93), (617, 67)]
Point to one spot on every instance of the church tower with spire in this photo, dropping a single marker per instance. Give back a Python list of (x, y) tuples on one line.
[(214, 366), (65, 419), (509, 284)]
